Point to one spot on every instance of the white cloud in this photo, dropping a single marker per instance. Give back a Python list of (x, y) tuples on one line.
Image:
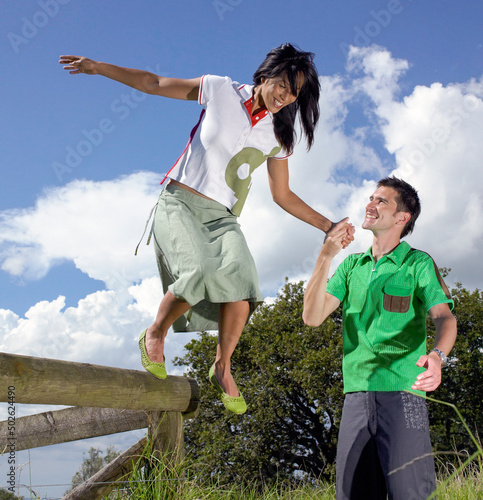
[(94, 224), (103, 328), (381, 73), (97, 330), (434, 134)]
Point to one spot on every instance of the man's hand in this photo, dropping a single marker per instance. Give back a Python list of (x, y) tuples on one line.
[(348, 236), (430, 379), (337, 238), (318, 304), (76, 65)]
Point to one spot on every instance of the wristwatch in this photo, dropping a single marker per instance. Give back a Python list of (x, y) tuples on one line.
[(442, 356)]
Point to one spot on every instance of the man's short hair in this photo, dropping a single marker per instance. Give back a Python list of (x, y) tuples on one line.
[(407, 200)]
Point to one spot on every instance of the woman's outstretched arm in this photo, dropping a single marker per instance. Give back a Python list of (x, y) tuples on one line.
[(144, 81)]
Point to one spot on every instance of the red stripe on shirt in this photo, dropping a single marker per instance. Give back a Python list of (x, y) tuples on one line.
[(193, 132)]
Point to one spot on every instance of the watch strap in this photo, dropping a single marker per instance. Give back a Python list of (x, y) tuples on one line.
[(442, 356)]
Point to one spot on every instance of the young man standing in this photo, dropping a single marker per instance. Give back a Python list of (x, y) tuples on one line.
[(384, 446)]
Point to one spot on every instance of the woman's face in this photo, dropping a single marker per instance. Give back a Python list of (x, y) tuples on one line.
[(275, 93)]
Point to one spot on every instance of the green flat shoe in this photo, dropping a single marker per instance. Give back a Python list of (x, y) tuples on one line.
[(234, 404), (156, 369)]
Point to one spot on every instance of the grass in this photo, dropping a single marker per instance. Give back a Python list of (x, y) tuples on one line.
[(468, 473), (463, 484), (165, 481)]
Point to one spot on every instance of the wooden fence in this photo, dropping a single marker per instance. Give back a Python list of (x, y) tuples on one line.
[(105, 401)]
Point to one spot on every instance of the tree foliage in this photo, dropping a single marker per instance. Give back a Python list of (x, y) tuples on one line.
[(92, 463), (7, 495), (290, 375), (462, 383)]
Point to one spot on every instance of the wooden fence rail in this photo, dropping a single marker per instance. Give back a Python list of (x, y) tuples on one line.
[(104, 481), (70, 424), (106, 400), (55, 382)]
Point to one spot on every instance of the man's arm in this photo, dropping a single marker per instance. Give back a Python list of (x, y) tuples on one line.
[(318, 304), (144, 81), (445, 338)]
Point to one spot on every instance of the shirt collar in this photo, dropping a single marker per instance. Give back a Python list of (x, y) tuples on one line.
[(397, 255), (247, 94)]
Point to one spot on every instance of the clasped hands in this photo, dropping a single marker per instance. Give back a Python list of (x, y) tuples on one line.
[(341, 235)]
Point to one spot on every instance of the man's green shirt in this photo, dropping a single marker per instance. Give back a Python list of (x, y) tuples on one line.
[(384, 308)]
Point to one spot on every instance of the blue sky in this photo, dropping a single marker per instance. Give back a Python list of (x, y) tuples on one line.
[(402, 92)]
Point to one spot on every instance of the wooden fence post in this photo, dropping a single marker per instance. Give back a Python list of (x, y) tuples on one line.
[(165, 431), (107, 400)]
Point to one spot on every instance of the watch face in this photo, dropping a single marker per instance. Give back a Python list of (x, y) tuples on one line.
[(441, 355)]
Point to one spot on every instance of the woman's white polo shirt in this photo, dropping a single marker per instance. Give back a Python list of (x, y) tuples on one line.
[(227, 144)]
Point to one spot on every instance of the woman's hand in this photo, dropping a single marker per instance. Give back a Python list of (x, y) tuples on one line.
[(78, 64), (336, 239), (348, 237)]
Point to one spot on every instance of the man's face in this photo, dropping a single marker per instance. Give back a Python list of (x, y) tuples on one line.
[(381, 211)]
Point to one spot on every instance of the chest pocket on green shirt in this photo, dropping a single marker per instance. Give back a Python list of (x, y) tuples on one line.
[(397, 298)]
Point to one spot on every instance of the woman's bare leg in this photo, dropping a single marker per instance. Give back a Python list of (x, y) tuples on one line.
[(170, 309), (232, 320)]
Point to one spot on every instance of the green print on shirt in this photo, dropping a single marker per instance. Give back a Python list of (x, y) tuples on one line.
[(241, 187)]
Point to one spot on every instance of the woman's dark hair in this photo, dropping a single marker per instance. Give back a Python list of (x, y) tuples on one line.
[(290, 61), (407, 200)]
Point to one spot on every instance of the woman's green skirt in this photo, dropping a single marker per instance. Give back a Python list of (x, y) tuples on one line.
[(202, 256)]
